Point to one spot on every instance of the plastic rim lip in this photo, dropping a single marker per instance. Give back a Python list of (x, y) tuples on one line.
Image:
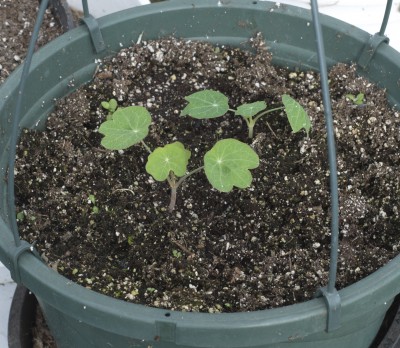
[(24, 304), (60, 291), (358, 301)]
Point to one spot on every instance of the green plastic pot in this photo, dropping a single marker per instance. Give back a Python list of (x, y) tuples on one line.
[(79, 317)]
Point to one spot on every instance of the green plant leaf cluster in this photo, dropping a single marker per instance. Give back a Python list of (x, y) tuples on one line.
[(226, 165), (211, 104)]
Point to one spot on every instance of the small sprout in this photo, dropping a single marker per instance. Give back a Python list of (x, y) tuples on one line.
[(111, 106), (130, 240), (92, 200), (135, 292), (21, 216), (75, 271), (357, 100), (211, 104), (177, 254), (150, 290)]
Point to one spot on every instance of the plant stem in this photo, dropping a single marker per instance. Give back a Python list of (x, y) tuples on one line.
[(188, 174), (267, 112), (172, 200), (252, 121), (145, 146), (172, 183), (250, 124), (175, 184)]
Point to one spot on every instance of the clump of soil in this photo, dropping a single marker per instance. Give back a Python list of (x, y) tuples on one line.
[(251, 249)]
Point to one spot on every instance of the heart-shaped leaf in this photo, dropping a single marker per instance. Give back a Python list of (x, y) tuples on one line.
[(127, 127), (297, 116), (206, 104), (110, 105), (251, 109), (227, 164), (172, 157)]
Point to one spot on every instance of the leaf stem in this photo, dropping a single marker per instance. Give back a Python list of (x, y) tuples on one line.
[(145, 146), (188, 174), (252, 121), (267, 112)]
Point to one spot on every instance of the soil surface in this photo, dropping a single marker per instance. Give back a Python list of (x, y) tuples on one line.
[(17, 19), (98, 218)]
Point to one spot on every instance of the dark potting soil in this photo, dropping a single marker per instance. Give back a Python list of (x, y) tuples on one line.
[(17, 19), (261, 247)]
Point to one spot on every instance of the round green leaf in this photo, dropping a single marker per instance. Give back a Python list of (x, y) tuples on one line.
[(297, 116), (127, 127), (251, 109), (206, 104), (172, 157), (227, 164)]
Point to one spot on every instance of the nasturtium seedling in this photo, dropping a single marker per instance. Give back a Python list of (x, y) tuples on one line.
[(211, 104), (206, 104), (170, 158), (296, 115), (127, 127), (227, 164)]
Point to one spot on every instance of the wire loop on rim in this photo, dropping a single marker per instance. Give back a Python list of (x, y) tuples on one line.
[(376, 40), (93, 27)]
